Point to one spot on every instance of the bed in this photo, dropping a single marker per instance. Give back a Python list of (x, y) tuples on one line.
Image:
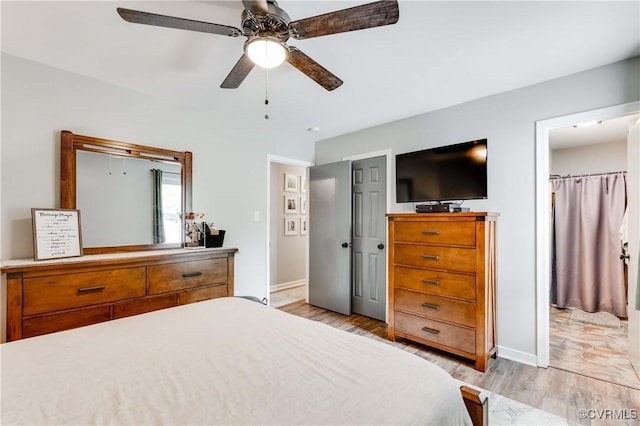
[(223, 361)]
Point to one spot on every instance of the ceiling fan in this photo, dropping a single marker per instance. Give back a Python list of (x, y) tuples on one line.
[(268, 27)]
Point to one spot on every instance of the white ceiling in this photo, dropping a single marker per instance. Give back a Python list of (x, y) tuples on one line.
[(590, 133), (439, 54)]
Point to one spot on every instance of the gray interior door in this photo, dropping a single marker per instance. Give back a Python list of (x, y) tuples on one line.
[(330, 236), (369, 296)]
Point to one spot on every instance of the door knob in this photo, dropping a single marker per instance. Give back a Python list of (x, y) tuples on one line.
[(345, 245), (380, 246)]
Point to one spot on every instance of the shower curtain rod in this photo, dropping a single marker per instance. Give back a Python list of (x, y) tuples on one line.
[(585, 175)]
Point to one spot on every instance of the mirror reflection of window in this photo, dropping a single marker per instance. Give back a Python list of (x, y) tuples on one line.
[(171, 206)]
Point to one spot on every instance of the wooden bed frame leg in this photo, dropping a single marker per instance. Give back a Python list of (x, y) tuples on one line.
[(477, 406)]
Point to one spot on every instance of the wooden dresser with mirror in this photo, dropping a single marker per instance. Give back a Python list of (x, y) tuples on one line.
[(129, 277)]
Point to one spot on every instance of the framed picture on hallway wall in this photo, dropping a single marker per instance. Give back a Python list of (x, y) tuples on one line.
[(290, 204), (303, 226), (290, 182), (303, 204), (290, 226)]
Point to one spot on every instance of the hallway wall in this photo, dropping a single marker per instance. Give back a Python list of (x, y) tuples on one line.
[(288, 252)]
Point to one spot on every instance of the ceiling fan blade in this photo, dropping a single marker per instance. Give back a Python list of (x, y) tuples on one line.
[(259, 7), (239, 72), (370, 15), (147, 18), (312, 69)]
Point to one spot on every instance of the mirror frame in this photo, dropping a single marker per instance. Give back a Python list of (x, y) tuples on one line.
[(70, 143)]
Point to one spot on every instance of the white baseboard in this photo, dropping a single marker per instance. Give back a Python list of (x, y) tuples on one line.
[(517, 356), (288, 285)]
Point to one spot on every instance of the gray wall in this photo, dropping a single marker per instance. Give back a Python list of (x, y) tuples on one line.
[(508, 121), (229, 158), (288, 252), (596, 158)]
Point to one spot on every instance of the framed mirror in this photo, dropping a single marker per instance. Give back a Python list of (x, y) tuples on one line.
[(131, 196)]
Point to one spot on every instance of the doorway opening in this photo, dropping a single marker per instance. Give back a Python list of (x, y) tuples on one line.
[(563, 330), (588, 331), (287, 237)]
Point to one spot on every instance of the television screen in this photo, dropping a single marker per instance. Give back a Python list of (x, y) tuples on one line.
[(452, 172)]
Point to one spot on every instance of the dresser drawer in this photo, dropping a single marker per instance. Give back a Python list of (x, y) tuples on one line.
[(435, 257), (200, 294), (57, 292), (436, 307), (146, 304), (452, 336), (434, 232), (65, 321), (436, 282), (184, 275)]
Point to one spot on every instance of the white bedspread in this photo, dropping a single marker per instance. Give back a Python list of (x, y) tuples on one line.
[(223, 361)]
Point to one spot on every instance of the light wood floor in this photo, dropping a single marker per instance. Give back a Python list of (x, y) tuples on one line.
[(556, 391), (597, 351), (289, 295)]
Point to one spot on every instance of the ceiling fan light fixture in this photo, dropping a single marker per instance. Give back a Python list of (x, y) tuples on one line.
[(266, 51)]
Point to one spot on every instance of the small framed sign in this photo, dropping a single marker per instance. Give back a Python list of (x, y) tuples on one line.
[(56, 233)]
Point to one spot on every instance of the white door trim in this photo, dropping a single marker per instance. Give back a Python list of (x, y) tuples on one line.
[(389, 156), (543, 219), (267, 217)]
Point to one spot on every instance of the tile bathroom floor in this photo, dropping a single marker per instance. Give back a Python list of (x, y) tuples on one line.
[(597, 351)]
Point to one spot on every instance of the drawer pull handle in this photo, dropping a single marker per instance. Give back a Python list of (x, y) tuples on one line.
[(430, 282), (96, 289), (432, 307), (192, 274), (431, 232), (430, 330), (430, 257)]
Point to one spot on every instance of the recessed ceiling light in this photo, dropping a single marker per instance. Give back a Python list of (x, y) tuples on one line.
[(313, 129)]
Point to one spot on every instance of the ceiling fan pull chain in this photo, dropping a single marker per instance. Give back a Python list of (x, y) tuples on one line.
[(266, 95)]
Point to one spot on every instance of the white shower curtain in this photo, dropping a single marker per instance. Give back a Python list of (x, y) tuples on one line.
[(587, 270)]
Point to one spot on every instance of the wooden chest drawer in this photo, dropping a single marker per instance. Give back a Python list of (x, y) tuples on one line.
[(452, 336), (436, 307), (436, 282), (200, 294), (184, 275), (439, 233), (64, 321), (436, 257), (58, 292), (147, 304)]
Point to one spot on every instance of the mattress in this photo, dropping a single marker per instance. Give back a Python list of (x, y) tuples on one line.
[(221, 361)]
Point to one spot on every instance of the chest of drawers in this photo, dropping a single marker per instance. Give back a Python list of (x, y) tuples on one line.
[(45, 297), (442, 279)]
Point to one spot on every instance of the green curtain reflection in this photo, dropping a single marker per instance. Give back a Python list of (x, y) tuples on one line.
[(158, 222)]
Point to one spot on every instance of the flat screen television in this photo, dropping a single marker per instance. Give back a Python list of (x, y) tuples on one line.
[(447, 173)]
